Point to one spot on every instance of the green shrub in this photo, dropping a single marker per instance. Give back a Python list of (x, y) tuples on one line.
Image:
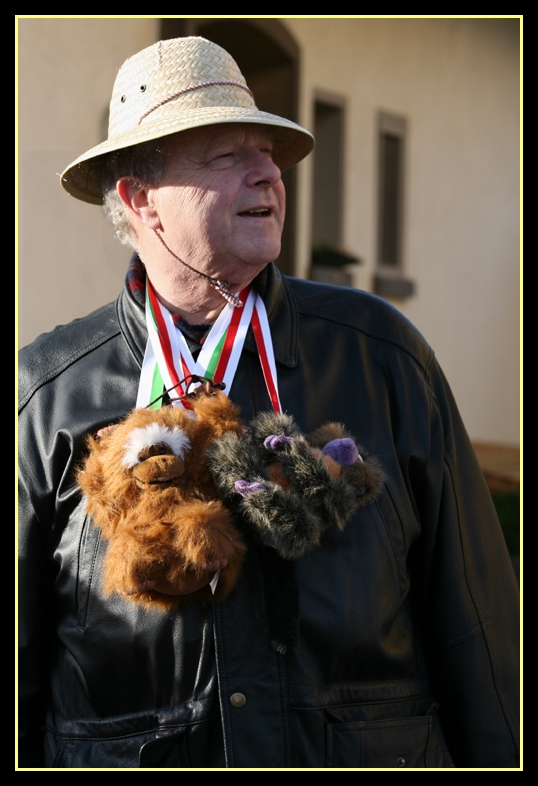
[(507, 507)]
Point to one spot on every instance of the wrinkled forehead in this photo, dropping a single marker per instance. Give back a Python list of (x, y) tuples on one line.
[(206, 137)]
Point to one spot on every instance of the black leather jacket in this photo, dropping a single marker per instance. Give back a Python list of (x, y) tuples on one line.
[(408, 618)]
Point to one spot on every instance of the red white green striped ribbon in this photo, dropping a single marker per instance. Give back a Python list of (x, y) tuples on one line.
[(168, 359)]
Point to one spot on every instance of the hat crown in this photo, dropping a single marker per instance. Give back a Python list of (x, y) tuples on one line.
[(173, 86), (194, 71)]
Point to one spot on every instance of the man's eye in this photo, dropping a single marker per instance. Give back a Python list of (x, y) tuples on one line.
[(220, 158)]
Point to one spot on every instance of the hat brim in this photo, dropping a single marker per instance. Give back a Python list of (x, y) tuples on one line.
[(291, 143)]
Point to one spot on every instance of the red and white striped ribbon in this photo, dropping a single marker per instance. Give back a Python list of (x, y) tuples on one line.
[(168, 359)]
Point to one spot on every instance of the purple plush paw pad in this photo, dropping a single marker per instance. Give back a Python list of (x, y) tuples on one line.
[(344, 451), (276, 441), (247, 489)]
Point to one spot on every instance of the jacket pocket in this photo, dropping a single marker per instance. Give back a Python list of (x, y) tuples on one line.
[(169, 751), (399, 743), (120, 751)]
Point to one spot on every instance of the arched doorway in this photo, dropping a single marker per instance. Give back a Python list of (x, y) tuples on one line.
[(269, 59)]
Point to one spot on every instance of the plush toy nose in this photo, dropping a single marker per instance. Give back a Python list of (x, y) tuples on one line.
[(344, 451), (158, 471)]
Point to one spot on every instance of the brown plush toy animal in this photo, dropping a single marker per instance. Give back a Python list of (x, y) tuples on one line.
[(150, 491)]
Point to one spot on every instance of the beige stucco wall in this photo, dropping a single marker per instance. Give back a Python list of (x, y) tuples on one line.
[(456, 81), (69, 261)]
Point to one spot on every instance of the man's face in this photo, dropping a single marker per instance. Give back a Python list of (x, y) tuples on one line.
[(221, 203)]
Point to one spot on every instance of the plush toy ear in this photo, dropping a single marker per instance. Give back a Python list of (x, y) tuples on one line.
[(218, 411), (106, 432), (327, 433), (267, 424)]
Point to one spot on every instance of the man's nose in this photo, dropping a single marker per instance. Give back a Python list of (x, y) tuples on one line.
[(262, 170)]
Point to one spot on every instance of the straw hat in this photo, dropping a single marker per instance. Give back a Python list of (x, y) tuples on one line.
[(171, 86)]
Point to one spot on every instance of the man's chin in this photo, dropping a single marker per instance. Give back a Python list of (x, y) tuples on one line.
[(255, 264), (252, 269)]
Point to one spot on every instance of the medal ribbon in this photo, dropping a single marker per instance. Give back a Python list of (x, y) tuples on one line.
[(168, 359), (221, 351)]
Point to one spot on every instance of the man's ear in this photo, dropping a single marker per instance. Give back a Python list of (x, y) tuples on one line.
[(139, 200)]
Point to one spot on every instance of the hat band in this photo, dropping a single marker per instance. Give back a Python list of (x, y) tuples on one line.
[(188, 90)]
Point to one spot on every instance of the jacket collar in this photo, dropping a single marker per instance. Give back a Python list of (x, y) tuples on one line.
[(132, 322), (281, 312)]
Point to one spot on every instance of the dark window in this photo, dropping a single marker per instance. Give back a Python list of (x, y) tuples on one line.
[(391, 169), (327, 207), (389, 279), (329, 260)]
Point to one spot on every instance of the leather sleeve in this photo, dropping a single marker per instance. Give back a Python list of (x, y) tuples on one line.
[(55, 414), (469, 598), (34, 627)]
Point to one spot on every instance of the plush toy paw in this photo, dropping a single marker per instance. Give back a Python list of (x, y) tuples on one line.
[(276, 441), (247, 489)]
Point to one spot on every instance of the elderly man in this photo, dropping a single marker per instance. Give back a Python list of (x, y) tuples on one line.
[(405, 647)]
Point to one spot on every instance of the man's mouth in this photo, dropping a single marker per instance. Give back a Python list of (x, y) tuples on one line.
[(259, 212)]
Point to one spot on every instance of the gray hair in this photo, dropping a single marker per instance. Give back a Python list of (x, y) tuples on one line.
[(145, 163)]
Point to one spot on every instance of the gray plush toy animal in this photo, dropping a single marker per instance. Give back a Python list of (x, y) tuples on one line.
[(286, 488)]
